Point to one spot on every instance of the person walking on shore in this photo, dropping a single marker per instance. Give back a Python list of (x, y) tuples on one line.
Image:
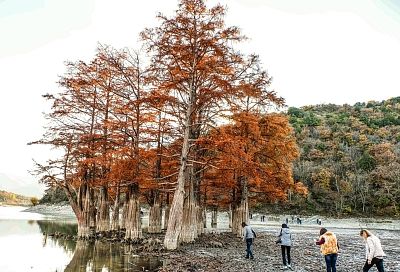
[(248, 237), (329, 248), (373, 251), (285, 238)]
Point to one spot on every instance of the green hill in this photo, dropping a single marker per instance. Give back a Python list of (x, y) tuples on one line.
[(350, 157), (7, 198)]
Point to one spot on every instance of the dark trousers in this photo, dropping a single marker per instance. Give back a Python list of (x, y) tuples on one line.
[(249, 243), (285, 249), (375, 261), (330, 260)]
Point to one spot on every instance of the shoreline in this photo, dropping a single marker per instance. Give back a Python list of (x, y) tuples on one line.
[(272, 220), (2, 204), (59, 210), (65, 207)]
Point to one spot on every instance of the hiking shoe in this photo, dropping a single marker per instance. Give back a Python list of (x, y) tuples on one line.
[(251, 258), (289, 266), (284, 267)]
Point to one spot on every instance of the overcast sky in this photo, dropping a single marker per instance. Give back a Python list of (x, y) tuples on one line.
[(318, 51)]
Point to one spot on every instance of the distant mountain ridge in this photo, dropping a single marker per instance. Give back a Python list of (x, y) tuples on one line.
[(18, 186), (7, 198)]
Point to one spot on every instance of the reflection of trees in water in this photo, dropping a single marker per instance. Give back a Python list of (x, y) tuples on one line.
[(48, 226), (52, 227), (95, 255), (113, 257)]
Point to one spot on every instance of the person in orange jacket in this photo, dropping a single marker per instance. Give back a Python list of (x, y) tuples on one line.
[(329, 248)]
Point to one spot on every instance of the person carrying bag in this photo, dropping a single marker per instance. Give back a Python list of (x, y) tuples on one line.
[(285, 240)]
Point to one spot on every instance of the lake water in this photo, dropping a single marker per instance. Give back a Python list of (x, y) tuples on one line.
[(24, 248)]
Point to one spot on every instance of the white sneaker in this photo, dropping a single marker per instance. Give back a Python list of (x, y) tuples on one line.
[(289, 266), (284, 267)]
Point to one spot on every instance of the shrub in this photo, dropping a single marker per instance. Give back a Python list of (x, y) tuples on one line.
[(34, 201)]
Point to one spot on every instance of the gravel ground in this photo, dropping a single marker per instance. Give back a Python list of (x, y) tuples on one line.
[(207, 255)]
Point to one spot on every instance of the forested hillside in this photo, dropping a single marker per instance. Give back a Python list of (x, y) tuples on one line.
[(350, 157), (7, 198)]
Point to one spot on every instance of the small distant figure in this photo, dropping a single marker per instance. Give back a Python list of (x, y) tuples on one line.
[(285, 239), (248, 236), (329, 248), (250, 215), (373, 251), (292, 219), (287, 220), (298, 221), (319, 221), (262, 218)]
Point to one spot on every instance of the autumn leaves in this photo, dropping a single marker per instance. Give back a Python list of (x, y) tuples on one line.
[(187, 123)]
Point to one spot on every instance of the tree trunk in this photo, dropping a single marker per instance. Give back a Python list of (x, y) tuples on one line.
[(83, 226), (240, 211), (197, 195), (92, 211), (200, 220), (103, 212), (166, 216), (77, 204), (230, 216), (204, 211), (155, 213), (115, 216), (85, 212), (176, 214), (125, 210), (166, 211), (133, 222), (189, 223), (214, 217)]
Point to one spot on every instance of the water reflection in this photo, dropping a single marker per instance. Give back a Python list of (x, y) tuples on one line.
[(103, 256), (53, 227), (24, 247), (95, 255)]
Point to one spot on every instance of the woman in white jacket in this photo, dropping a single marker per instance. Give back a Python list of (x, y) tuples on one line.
[(285, 239), (373, 250)]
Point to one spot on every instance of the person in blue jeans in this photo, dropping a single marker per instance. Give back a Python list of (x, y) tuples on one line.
[(330, 261), (329, 248), (248, 236)]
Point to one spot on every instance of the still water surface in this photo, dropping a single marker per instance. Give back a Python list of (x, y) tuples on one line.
[(24, 248)]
